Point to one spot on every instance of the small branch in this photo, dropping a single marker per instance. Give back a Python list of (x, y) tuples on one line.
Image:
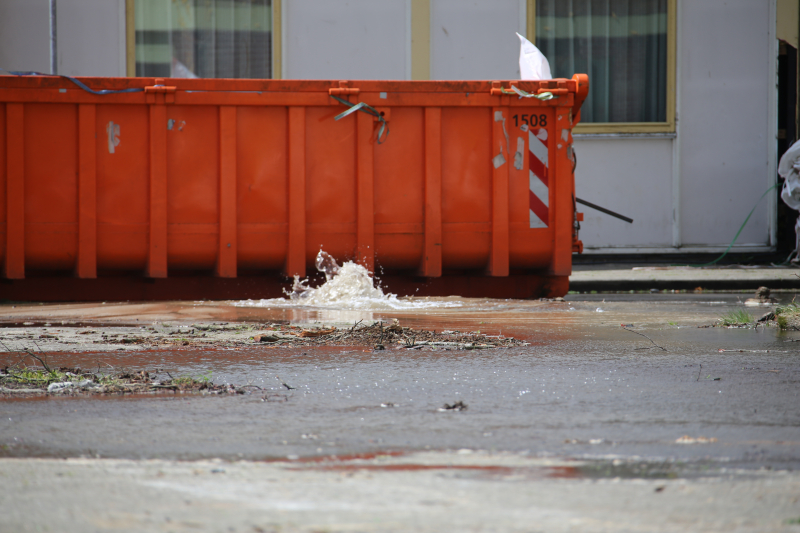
[(699, 372), (645, 336), (22, 358), (10, 351), (44, 364), (288, 387)]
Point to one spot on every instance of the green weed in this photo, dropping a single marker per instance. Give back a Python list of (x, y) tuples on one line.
[(788, 315), (29, 375), (788, 309), (189, 381), (736, 318)]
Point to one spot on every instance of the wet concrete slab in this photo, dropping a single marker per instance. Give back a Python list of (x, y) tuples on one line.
[(587, 278), (153, 495)]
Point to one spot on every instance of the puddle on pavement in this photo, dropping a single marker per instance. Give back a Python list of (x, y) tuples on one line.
[(64, 324), (475, 471), (592, 469), (585, 388)]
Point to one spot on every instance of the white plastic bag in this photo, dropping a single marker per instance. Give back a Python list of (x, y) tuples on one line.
[(789, 169), (532, 63)]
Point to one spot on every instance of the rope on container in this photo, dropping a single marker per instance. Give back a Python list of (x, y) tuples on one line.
[(368, 109), (522, 94)]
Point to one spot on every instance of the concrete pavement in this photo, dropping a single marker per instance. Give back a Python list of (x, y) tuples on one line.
[(425, 492), (615, 277)]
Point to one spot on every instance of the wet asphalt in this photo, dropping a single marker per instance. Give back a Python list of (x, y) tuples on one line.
[(679, 398)]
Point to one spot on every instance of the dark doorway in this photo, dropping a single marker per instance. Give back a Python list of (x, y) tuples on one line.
[(787, 135)]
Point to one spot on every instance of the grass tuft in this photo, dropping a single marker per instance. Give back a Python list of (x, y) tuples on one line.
[(738, 317)]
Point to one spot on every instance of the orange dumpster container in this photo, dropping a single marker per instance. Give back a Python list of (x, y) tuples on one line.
[(141, 188)]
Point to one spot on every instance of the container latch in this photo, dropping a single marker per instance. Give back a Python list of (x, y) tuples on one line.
[(541, 94), (343, 89), (159, 88)]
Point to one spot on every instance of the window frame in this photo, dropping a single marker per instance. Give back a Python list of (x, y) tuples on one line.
[(130, 39), (420, 58), (631, 127)]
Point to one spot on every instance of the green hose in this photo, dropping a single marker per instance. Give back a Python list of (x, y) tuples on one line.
[(715, 261)]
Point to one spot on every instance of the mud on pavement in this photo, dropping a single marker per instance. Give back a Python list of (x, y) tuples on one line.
[(77, 337), (25, 369)]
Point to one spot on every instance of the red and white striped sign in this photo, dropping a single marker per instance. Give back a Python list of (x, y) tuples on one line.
[(539, 197)]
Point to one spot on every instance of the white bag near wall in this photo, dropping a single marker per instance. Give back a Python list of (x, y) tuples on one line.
[(789, 169), (532, 63)]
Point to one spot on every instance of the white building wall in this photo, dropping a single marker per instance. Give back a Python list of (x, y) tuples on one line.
[(726, 142), (632, 176), (91, 36), (25, 35), (464, 50), (346, 40)]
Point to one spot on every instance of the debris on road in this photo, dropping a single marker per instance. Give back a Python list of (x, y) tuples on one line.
[(785, 317), (762, 298), (65, 338), (686, 439), (457, 406), (27, 380), (381, 336), (288, 387), (788, 316), (626, 326), (767, 317)]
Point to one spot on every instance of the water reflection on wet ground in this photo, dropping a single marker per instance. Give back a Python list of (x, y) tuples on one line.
[(584, 388)]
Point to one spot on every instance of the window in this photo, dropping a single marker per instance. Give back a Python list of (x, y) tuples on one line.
[(626, 48), (203, 38)]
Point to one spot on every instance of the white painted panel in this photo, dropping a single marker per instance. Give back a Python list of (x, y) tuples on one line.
[(724, 120), (91, 40), (91, 36), (346, 39), (475, 39), (632, 177), (25, 35)]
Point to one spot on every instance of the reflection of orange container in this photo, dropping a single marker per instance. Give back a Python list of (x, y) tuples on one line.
[(471, 192)]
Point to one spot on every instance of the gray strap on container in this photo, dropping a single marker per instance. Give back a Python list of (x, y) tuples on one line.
[(366, 108), (77, 82)]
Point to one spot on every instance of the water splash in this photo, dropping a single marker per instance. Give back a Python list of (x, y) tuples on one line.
[(347, 287)]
